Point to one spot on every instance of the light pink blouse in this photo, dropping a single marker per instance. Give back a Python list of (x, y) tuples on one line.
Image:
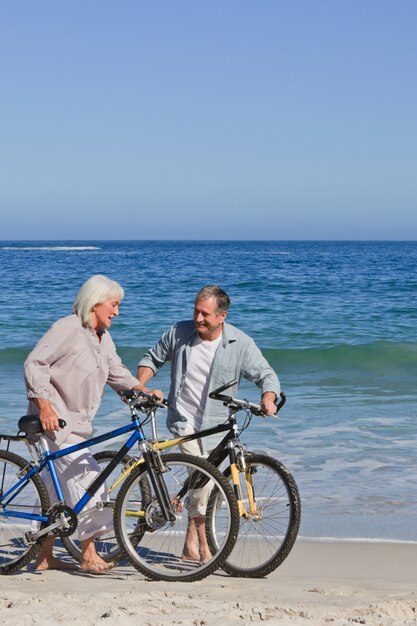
[(70, 367)]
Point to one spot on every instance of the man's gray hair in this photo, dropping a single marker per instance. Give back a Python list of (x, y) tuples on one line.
[(213, 291), (96, 290)]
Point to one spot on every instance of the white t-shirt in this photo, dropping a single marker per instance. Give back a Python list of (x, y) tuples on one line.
[(193, 397)]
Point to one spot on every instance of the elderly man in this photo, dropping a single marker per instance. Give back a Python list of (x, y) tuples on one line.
[(205, 353)]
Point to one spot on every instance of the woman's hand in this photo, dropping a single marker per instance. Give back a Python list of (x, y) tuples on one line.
[(47, 416)]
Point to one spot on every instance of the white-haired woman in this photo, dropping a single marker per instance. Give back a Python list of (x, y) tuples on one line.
[(65, 375)]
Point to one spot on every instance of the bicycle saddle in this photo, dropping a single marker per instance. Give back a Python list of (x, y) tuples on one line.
[(31, 425)]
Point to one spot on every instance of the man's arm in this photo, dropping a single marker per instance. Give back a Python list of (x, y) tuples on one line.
[(144, 374), (152, 361), (256, 368)]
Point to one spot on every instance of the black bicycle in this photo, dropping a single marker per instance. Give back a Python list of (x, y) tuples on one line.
[(266, 492)]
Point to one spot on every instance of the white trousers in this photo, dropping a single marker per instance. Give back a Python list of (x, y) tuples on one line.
[(76, 471)]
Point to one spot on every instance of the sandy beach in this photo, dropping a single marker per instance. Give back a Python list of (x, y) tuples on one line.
[(320, 583)]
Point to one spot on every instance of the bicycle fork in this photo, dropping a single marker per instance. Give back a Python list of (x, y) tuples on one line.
[(156, 470), (238, 466)]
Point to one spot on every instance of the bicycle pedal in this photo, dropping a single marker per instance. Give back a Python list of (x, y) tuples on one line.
[(30, 537)]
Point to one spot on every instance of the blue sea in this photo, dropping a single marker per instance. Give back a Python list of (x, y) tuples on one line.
[(337, 321)]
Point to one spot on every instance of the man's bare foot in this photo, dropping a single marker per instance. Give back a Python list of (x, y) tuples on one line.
[(189, 555), (196, 547), (203, 555), (52, 562)]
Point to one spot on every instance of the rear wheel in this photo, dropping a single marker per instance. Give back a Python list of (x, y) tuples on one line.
[(16, 550), (268, 532)]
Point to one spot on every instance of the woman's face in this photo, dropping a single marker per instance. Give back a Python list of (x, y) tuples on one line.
[(102, 314)]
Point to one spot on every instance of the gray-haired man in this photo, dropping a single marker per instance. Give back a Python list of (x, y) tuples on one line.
[(205, 353)]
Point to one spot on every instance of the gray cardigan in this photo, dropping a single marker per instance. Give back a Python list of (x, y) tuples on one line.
[(237, 355)]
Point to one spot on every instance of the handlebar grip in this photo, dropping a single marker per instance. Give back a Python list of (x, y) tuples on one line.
[(221, 397), (163, 401), (132, 393), (126, 393), (282, 401)]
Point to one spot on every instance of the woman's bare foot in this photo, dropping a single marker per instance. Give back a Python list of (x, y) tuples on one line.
[(51, 562), (46, 560), (96, 567), (92, 563)]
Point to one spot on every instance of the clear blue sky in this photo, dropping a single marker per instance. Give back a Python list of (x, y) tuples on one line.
[(216, 119)]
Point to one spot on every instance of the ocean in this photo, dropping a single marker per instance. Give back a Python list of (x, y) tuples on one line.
[(336, 320)]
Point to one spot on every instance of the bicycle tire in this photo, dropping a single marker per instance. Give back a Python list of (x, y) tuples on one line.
[(265, 539), (158, 553), (15, 550), (107, 547)]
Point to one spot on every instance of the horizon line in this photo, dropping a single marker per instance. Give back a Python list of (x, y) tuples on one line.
[(220, 240)]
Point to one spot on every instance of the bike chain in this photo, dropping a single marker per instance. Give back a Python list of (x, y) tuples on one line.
[(54, 516)]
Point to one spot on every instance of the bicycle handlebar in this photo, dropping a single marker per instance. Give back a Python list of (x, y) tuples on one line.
[(256, 409), (150, 398)]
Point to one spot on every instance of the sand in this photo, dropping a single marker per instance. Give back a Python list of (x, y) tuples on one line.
[(340, 584)]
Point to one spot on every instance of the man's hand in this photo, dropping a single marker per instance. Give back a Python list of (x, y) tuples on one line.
[(268, 402), (157, 392), (144, 375)]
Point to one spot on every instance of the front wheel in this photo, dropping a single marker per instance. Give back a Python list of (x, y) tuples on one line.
[(188, 482), (269, 521), (16, 549)]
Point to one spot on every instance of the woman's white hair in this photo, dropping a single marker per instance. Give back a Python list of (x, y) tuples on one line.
[(96, 290)]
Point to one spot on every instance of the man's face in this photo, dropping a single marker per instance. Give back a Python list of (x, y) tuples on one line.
[(208, 322)]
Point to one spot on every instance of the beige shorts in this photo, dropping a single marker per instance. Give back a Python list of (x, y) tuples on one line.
[(197, 499)]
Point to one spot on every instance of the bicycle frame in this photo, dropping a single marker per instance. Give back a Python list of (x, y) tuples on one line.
[(47, 461), (225, 448)]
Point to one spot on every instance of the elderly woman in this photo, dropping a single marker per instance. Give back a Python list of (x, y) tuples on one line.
[(65, 376)]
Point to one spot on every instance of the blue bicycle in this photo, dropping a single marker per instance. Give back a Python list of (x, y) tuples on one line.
[(153, 524)]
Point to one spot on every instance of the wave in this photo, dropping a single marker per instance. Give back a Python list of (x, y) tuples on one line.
[(381, 356), (17, 355), (13, 356), (48, 248), (353, 540)]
